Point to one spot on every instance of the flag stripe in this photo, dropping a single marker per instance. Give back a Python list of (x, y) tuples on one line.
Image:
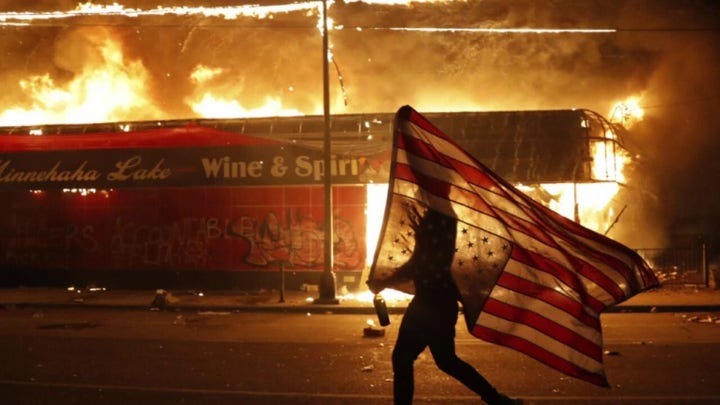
[(435, 186), (641, 275), (489, 202), (457, 167), (515, 333), (544, 325), (545, 356), (440, 142), (428, 145), (561, 274), (587, 265), (427, 182), (612, 262), (546, 294), (476, 170), (409, 189)]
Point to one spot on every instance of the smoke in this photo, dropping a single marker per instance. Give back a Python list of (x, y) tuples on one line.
[(680, 137), (382, 69), (667, 51)]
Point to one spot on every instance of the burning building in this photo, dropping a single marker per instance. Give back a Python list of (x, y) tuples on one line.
[(145, 68), (231, 202)]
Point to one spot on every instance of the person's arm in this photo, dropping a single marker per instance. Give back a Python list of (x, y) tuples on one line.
[(402, 276)]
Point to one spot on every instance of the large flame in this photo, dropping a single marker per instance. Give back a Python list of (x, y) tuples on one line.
[(112, 88), (68, 105), (108, 88), (208, 104)]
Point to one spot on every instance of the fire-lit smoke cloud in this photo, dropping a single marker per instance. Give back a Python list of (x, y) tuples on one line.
[(680, 136), (666, 51), (280, 56)]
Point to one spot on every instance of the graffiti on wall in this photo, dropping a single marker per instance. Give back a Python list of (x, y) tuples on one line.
[(184, 243), (297, 241), (35, 241)]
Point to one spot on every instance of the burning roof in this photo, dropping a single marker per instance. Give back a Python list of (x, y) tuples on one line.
[(522, 146)]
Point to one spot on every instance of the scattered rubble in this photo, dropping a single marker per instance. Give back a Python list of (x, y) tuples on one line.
[(368, 368), (373, 331), (162, 299), (707, 318)]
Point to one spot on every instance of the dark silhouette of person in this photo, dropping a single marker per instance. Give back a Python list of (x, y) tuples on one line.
[(433, 312)]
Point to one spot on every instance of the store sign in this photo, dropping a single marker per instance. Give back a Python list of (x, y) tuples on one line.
[(157, 167)]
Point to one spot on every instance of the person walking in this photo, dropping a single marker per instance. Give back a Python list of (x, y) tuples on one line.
[(429, 321)]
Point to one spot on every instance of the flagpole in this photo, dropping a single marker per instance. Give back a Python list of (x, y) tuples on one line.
[(326, 288)]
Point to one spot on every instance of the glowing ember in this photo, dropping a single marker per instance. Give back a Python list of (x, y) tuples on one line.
[(202, 74)]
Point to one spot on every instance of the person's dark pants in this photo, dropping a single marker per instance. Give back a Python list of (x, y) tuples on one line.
[(411, 342)]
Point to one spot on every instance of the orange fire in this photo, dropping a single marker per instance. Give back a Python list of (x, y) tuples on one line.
[(208, 104), (108, 88), (85, 99), (589, 203), (627, 113)]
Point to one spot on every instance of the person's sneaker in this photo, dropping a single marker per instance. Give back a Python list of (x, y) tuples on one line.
[(503, 399)]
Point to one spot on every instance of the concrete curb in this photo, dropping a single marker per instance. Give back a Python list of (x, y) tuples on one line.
[(314, 308), (664, 300)]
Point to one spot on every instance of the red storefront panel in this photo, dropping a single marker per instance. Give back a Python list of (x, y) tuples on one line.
[(199, 228)]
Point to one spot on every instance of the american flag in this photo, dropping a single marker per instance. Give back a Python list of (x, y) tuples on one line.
[(528, 278)]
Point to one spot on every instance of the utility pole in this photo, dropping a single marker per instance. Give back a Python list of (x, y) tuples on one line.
[(326, 288)]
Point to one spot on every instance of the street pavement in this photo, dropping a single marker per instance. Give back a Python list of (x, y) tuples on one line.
[(673, 298), (190, 358)]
